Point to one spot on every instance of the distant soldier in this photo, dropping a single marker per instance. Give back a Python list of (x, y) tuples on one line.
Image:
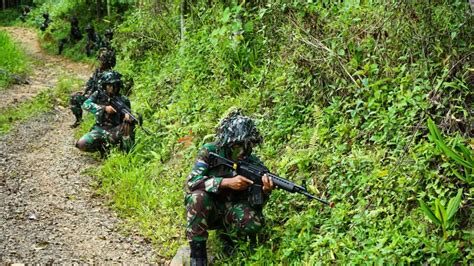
[(107, 62), (24, 14), (75, 34), (108, 36), (93, 40), (46, 21), (111, 127), (218, 198)]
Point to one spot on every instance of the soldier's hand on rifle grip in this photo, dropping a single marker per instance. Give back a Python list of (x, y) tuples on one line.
[(237, 182), (267, 184), (127, 118), (110, 110)]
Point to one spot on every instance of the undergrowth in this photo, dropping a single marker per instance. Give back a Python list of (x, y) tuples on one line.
[(342, 94), (14, 64)]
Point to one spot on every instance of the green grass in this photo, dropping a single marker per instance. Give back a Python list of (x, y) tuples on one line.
[(341, 94), (12, 60), (43, 102)]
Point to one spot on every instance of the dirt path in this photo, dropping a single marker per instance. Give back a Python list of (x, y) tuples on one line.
[(46, 68), (48, 211)]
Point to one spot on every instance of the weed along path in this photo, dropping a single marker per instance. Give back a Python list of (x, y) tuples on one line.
[(49, 212)]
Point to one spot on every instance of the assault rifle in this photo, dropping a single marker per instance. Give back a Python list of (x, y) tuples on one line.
[(255, 172), (122, 108)]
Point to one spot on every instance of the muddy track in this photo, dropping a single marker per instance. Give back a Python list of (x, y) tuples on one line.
[(49, 212)]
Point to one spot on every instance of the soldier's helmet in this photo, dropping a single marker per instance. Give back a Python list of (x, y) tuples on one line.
[(111, 77), (45, 15), (236, 128), (89, 28), (107, 58), (109, 33), (74, 21)]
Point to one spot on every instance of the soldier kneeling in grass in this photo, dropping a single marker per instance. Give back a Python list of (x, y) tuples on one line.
[(112, 126), (217, 198)]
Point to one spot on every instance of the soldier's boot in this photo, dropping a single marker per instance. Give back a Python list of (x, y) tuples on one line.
[(228, 244), (198, 253), (78, 115)]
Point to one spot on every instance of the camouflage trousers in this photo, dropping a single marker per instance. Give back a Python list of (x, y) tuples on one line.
[(99, 138), (75, 104), (204, 212)]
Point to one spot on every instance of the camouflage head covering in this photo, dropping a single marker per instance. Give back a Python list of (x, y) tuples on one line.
[(111, 77), (106, 58), (237, 128), (89, 27), (109, 33)]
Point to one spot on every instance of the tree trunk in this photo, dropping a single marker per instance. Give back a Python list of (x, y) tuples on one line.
[(98, 6), (4, 4), (183, 11), (472, 5), (108, 8)]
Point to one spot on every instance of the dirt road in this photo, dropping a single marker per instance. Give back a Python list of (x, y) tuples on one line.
[(49, 212)]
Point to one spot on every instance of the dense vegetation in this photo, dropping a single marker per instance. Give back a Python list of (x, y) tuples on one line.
[(343, 94)]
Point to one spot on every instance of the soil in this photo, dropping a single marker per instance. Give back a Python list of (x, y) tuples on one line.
[(49, 211)]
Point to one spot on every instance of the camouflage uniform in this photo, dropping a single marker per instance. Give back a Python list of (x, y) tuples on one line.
[(209, 207), (75, 35), (107, 40), (93, 40), (107, 61), (109, 128), (46, 22)]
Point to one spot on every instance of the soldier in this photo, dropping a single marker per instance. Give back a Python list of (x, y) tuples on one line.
[(24, 14), (107, 62), (108, 36), (93, 40), (216, 197), (75, 35), (46, 22), (111, 127)]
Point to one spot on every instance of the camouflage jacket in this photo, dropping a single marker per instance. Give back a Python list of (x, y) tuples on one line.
[(96, 105), (208, 178), (93, 83)]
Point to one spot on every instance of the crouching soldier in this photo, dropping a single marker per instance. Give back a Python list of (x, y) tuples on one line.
[(107, 62), (217, 198), (93, 41), (112, 127)]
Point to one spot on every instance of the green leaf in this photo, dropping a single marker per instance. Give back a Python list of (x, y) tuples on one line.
[(453, 204), (441, 212), (428, 212)]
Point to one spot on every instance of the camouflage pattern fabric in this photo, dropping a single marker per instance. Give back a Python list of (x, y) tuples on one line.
[(98, 138), (108, 129), (210, 207), (203, 213), (75, 103), (78, 98)]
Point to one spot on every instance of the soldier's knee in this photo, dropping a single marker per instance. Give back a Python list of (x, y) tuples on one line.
[(197, 200), (246, 220), (81, 144)]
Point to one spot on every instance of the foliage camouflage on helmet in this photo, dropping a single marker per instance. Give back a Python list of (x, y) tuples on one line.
[(237, 128), (107, 58), (111, 77)]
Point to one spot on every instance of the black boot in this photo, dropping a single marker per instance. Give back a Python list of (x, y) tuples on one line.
[(198, 253), (228, 244)]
